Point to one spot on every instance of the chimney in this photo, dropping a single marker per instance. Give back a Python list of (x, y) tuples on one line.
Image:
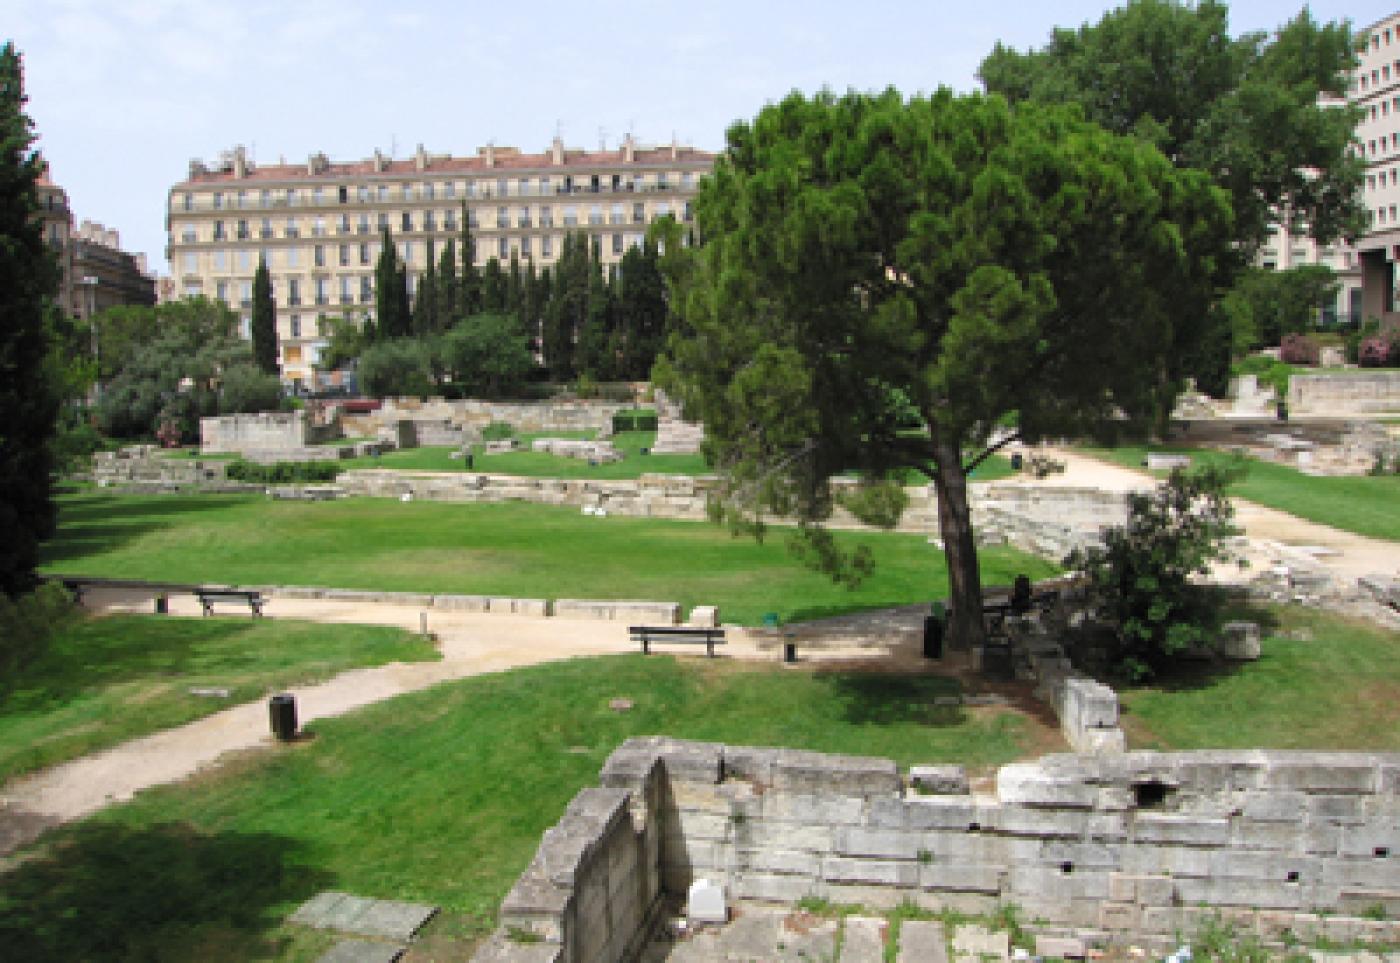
[(240, 162), (629, 148), (378, 161), (197, 167), (488, 153), (556, 150), (317, 163), (675, 147), (420, 158)]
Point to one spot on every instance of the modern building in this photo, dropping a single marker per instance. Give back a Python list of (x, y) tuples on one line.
[(1376, 89), (95, 272), (318, 225)]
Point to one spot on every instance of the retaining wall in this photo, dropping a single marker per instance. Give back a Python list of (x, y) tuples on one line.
[(265, 431), (630, 610), (1364, 392), (1137, 843), (472, 415)]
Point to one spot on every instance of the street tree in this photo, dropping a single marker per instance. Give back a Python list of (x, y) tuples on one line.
[(263, 326), (868, 260), (28, 283)]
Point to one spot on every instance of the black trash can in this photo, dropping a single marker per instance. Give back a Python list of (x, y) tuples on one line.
[(789, 652), (933, 637), (162, 604), (1017, 460), (283, 711), (467, 461)]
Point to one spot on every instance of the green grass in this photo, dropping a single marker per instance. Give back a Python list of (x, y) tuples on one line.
[(438, 796), (102, 681), (1363, 504), (522, 550), (1336, 687)]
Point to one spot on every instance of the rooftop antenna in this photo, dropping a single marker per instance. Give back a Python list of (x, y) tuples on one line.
[(602, 138), (393, 146)]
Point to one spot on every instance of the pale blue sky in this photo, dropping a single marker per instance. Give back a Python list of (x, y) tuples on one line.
[(125, 92)]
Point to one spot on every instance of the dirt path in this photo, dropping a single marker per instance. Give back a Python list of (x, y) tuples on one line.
[(1274, 537), (471, 644)]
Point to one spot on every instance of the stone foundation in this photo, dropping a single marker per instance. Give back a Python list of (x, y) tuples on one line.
[(1354, 393), (1138, 843)]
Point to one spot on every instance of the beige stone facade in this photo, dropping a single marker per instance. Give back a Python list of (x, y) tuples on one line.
[(319, 224), (95, 273)]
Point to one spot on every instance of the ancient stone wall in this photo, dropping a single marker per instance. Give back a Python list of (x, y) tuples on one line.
[(265, 431), (1362, 392), (1044, 520), (1283, 844), (472, 415)]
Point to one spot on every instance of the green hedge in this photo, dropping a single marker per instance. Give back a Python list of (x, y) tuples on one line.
[(284, 471), (639, 420)]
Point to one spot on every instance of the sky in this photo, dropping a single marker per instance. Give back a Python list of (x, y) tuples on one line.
[(124, 93)]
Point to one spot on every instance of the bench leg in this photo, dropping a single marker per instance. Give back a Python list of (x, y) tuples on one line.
[(710, 649), (257, 609), (646, 647), (208, 608)]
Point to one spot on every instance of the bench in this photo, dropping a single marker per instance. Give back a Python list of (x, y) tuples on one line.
[(207, 597), (682, 635)]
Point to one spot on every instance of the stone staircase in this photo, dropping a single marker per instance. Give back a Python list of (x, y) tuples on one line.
[(677, 437)]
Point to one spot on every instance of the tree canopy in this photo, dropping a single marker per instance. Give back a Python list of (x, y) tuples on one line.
[(953, 259), (1265, 114)]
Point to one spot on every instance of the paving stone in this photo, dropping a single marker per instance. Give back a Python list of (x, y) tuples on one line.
[(364, 917), (922, 941), (863, 942), (361, 951), (977, 945)]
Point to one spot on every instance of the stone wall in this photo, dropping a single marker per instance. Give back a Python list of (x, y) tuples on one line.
[(265, 431), (472, 416), (1138, 843), (1362, 392), (629, 610), (1044, 520), (145, 466)]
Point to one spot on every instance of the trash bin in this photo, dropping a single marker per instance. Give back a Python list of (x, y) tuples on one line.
[(789, 652), (467, 461), (645, 452), (162, 604), (283, 711), (933, 637), (770, 620), (1021, 595), (1281, 410), (1017, 460)]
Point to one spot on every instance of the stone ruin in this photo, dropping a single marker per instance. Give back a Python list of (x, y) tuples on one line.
[(595, 452), (146, 468), (1140, 845)]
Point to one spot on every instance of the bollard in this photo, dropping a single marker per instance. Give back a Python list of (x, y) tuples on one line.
[(162, 604), (790, 651), (423, 624), (1017, 461), (282, 709)]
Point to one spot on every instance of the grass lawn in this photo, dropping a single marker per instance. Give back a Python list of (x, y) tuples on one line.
[(1363, 504), (1323, 682), (438, 796), (523, 550), (102, 681)]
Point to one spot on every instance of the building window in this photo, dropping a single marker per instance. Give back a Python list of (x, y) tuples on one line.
[(429, 221), (503, 245), (319, 229), (293, 296), (318, 255), (546, 216), (449, 189), (544, 187), (618, 215), (617, 243), (502, 217), (292, 229), (347, 295), (570, 215), (243, 234), (265, 199), (595, 214), (189, 202), (449, 220), (524, 219), (689, 214), (546, 246), (639, 213), (191, 289), (407, 252), (364, 253), (220, 260), (322, 296), (242, 199), (662, 210), (382, 224), (366, 289), (296, 324), (524, 247), (363, 225), (344, 255), (218, 201), (687, 180), (218, 230), (221, 291), (502, 186), (245, 293), (293, 257)]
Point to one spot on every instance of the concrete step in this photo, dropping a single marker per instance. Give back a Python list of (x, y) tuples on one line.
[(863, 940)]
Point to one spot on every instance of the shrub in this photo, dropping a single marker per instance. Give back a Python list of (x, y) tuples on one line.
[(27, 623), (634, 420), (1298, 349), (402, 367), (497, 431), (283, 472), (1140, 579), (1373, 353)]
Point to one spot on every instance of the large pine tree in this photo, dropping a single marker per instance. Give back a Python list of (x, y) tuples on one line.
[(263, 327), (28, 281)]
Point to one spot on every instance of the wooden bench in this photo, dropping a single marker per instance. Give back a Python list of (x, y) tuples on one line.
[(682, 635), (207, 597)]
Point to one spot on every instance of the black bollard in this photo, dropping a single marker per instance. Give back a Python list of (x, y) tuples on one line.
[(283, 712)]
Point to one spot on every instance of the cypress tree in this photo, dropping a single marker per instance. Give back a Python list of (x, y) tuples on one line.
[(425, 303), (389, 321), (28, 283), (448, 287), (263, 327), (469, 298), (493, 288)]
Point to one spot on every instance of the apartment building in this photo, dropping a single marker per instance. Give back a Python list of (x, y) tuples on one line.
[(1376, 90), (95, 273), (319, 225)]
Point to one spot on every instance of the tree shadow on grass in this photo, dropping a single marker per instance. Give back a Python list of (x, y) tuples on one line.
[(167, 891), (94, 524), (875, 698)]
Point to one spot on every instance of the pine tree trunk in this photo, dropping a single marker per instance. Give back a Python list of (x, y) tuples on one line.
[(965, 629)]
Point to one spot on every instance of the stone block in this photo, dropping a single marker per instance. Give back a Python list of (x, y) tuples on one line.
[(1044, 823), (961, 877), (705, 903), (1282, 806), (1166, 461), (705, 616), (879, 872), (461, 603), (766, 835), (535, 608), (1060, 947), (1239, 641), (793, 862), (1337, 810), (1324, 772), (801, 771), (863, 939), (944, 812), (939, 780), (1378, 842), (1030, 785), (1246, 893), (1180, 830), (973, 942), (775, 888), (887, 843), (812, 808), (922, 941)]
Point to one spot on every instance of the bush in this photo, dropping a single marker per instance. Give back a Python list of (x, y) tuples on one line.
[(283, 472), (1298, 349), (1140, 579), (497, 431), (245, 388), (634, 420), (27, 623), (1373, 353), (1269, 371), (399, 368)]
